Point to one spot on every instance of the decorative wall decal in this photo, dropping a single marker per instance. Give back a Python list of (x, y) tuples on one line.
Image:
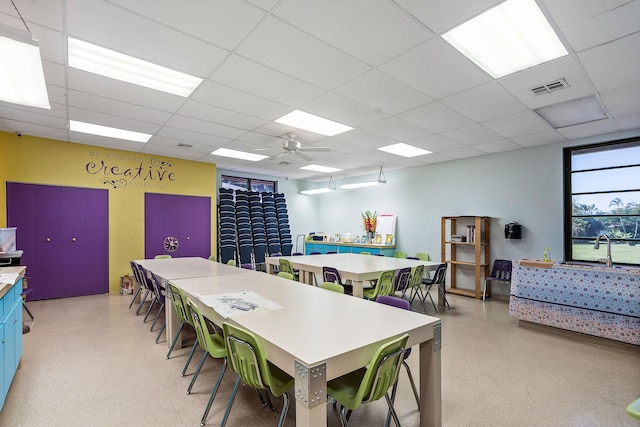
[(121, 171), (115, 183), (170, 244)]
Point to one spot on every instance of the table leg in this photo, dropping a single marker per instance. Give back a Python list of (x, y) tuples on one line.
[(311, 395), (430, 380), (270, 268), (357, 288)]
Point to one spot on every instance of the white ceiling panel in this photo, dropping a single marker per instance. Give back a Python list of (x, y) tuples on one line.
[(380, 66)]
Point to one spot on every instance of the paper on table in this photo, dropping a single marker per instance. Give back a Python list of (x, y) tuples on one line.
[(9, 278), (223, 304)]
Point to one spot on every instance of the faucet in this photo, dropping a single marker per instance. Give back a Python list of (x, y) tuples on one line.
[(608, 260)]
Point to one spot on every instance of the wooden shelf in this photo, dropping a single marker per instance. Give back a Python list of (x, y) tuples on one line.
[(473, 253)]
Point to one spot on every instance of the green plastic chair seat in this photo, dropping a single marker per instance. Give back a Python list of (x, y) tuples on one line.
[(384, 285), (331, 286), (400, 254), (285, 275), (633, 410), (162, 257)]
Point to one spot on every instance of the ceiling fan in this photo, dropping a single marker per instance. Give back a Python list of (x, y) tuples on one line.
[(291, 146)]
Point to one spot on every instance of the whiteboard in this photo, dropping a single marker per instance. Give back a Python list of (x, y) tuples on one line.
[(386, 226)]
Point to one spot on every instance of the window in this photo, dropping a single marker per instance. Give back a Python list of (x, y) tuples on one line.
[(239, 183), (602, 196)]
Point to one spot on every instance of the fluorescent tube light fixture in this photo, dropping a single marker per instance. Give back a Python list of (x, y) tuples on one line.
[(301, 120), (404, 150), (242, 155), (21, 74), (319, 168), (109, 63), (331, 187), (381, 180), (109, 132), (510, 37)]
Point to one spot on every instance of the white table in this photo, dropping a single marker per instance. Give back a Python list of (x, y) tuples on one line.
[(181, 268), (355, 267), (310, 340)]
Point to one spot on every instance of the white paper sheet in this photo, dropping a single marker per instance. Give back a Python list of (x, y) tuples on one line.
[(9, 278), (227, 304)]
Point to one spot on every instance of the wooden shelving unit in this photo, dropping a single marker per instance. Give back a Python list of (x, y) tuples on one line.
[(471, 255)]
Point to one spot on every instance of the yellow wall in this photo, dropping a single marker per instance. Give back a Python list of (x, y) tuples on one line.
[(43, 161)]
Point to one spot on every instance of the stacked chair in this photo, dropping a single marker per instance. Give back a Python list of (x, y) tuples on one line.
[(243, 227), (227, 226), (283, 223), (258, 228), (271, 223)]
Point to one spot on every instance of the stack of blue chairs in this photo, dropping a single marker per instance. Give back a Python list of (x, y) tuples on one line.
[(243, 226), (271, 223), (283, 224), (258, 227), (227, 226)]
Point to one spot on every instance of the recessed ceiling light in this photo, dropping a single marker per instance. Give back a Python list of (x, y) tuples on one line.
[(510, 37), (225, 152), (319, 168), (404, 150), (109, 132), (109, 63), (574, 112), (301, 120)]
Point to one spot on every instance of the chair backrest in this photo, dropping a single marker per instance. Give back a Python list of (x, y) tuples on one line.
[(382, 371), (246, 266), (365, 253), (245, 356), (296, 254), (440, 274), (330, 274), (166, 256), (179, 303), (501, 270), (285, 265), (157, 285), (413, 257), (416, 276), (212, 258), (286, 275), (422, 256), (332, 286), (144, 276), (136, 274), (231, 262), (401, 279), (315, 253), (384, 285), (400, 254), (201, 326)]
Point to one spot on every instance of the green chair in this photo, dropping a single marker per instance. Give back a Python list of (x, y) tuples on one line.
[(422, 256), (213, 258), (162, 257), (182, 309), (400, 254), (415, 281), (384, 285), (331, 286), (231, 262), (285, 275), (286, 266), (247, 359), (365, 253), (633, 410), (370, 383), (213, 344)]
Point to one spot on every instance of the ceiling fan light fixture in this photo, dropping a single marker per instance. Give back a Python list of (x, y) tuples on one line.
[(309, 122)]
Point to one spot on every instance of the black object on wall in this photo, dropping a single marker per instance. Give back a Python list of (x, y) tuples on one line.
[(513, 230)]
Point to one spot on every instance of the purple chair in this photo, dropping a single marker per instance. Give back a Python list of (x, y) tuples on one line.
[(405, 305), (315, 253), (247, 266), (401, 281), (330, 274)]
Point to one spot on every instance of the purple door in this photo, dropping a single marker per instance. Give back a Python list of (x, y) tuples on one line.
[(63, 232), (182, 219)]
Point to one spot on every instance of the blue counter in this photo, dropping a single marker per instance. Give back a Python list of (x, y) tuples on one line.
[(342, 247)]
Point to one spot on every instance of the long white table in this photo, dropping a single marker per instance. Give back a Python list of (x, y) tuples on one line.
[(355, 267), (319, 335), (181, 268)]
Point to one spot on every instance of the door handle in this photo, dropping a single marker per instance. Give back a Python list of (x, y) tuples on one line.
[(48, 239), (188, 238), (73, 239)]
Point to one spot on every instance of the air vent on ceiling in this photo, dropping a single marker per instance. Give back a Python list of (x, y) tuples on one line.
[(183, 145), (285, 163), (550, 87)]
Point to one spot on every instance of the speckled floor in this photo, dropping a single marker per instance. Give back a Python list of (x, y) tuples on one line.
[(90, 361)]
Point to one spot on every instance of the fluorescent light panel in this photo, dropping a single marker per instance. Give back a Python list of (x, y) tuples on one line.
[(225, 152), (109, 132), (360, 185), (317, 191), (404, 150), (510, 37), (319, 168), (301, 120), (21, 74), (109, 63)]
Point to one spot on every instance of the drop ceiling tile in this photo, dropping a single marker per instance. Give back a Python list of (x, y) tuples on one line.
[(568, 12), (615, 64), (497, 146), (172, 151), (342, 110), (104, 105), (54, 75), (382, 92), (223, 23), (599, 127), (629, 121), (213, 93), (104, 119), (205, 127), (264, 4), (462, 153), (397, 129), (195, 148), (541, 138), (364, 138), (373, 31), (101, 141), (214, 114), (451, 73), (603, 28), (191, 137), (471, 135), (257, 79), (518, 124), (436, 117), (484, 102), (135, 35), (568, 68), (45, 13), (435, 143), (440, 16), (622, 101), (285, 48)]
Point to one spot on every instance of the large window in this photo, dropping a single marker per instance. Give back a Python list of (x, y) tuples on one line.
[(249, 184), (602, 196)]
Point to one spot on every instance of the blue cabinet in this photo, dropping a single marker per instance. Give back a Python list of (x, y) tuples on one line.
[(347, 248), (10, 335)]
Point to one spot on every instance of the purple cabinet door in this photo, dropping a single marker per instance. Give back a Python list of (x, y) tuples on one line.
[(185, 218), (63, 232)]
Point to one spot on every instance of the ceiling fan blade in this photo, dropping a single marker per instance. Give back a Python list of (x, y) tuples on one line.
[(304, 156), (317, 149), (277, 156)]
